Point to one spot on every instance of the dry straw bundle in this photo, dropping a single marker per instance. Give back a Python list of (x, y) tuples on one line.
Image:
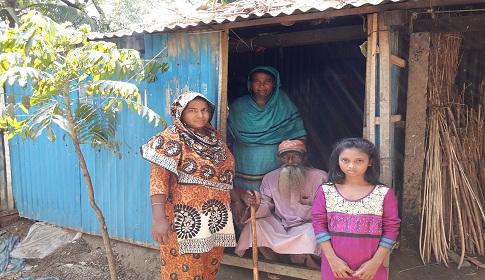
[(453, 215)]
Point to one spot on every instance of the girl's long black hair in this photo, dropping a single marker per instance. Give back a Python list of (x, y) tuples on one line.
[(336, 175)]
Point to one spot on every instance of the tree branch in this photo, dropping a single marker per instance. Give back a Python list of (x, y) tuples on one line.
[(72, 5), (102, 16)]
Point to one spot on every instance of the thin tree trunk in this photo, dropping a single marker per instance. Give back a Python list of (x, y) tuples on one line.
[(92, 201), (102, 16)]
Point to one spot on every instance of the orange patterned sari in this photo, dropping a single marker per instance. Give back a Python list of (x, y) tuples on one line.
[(195, 172)]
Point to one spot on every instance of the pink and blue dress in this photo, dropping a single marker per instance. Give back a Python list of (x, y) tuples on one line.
[(355, 228)]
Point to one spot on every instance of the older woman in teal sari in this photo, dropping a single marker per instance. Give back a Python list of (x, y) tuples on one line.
[(257, 123)]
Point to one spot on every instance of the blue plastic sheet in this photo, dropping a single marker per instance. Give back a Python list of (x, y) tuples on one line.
[(8, 264)]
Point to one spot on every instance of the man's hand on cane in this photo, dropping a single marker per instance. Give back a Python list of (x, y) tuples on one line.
[(252, 197)]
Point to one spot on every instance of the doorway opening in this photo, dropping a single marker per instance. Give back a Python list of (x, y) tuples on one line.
[(324, 78)]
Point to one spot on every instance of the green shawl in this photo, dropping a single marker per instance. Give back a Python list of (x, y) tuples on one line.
[(256, 132)]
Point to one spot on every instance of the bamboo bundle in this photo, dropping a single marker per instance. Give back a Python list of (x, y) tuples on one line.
[(453, 197)]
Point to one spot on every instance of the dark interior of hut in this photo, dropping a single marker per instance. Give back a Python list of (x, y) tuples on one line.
[(325, 80)]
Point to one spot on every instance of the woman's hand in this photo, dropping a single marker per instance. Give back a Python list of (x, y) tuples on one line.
[(237, 211), (340, 268), (367, 270), (160, 229)]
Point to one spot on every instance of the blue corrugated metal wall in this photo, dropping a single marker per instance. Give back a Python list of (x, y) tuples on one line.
[(47, 181)]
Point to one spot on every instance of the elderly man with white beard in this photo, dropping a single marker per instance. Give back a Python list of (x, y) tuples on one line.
[(284, 223)]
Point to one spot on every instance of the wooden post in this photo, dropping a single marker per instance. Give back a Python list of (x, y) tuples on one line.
[(370, 79), (378, 46), (7, 201), (414, 152), (385, 129), (222, 94)]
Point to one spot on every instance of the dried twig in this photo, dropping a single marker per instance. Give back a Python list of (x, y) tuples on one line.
[(453, 197)]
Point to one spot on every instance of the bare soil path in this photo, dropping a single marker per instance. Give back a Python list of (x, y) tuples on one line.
[(85, 259)]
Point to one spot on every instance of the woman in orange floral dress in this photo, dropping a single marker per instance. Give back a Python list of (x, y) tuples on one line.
[(191, 180)]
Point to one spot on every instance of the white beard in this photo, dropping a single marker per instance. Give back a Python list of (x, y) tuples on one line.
[(292, 178)]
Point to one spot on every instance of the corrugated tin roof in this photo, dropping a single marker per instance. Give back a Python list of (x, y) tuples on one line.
[(238, 11)]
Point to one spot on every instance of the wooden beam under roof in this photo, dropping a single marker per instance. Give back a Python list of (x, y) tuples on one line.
[(450, 24), (326, 35)]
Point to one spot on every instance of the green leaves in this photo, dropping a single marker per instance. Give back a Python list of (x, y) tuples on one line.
[(119, 89), (9, 60), (21, 75), (145, 112), (152, 68), (25, 103), (42, 119), (63, 13), (11, 111), (96, 126), (56, 64), (50, 134)]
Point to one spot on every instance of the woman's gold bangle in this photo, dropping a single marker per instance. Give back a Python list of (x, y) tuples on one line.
[(156, 203)]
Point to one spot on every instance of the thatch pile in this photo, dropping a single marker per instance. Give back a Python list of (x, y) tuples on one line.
[(453, 215)]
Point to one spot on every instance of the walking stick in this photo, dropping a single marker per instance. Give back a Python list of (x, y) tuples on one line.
[(257, 197)]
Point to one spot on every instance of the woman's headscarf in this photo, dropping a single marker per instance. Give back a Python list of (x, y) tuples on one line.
[(277, 121), (191, 157)]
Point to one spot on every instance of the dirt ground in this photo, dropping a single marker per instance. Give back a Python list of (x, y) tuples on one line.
[(85, 259)]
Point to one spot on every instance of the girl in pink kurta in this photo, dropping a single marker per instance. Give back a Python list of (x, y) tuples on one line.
[(355, 218)]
